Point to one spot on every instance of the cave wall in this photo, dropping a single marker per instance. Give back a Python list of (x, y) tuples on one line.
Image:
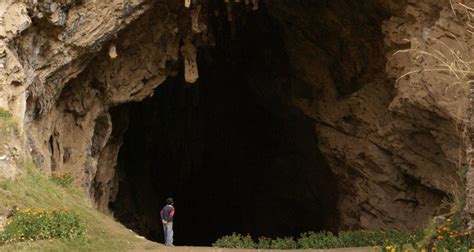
[(45, 45), (393, 145), (68, 116), (80, 123), (394, 149)]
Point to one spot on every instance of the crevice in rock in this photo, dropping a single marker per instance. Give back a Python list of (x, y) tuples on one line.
[(51, 149)]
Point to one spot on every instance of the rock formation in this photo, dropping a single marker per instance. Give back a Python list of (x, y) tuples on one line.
[(376, 150)]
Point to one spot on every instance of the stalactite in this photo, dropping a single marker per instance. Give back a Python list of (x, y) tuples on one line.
[(113, 51), (188, 50), (187, 3), (255, 5), (195, 19), (230, 17)]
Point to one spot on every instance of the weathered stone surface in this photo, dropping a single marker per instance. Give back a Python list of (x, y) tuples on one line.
[(393, 145), (11, 150), (79, 122)]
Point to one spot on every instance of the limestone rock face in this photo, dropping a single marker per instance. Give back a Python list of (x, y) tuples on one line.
[(393, 145)]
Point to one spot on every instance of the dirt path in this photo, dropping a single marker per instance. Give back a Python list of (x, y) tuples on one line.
[(146, 245), (209, 249)]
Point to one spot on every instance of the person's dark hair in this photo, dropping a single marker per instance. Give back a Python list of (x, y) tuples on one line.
[(169, 201)]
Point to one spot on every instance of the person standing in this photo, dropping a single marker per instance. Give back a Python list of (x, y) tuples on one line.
[(167, 214)]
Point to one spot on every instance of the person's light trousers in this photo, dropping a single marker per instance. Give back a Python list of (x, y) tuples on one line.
[(168, 232)]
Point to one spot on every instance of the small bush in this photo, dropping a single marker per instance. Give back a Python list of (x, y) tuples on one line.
[(264, 243), (449, 236), (283, 243), (5, 114), (321, 240), (6, 124), (361, 238), (41, 224), (62, 179), (235, 241)]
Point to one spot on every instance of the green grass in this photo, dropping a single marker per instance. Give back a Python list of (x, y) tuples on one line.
[(34, 224), (4, 114), (8, 129), (35, 190)]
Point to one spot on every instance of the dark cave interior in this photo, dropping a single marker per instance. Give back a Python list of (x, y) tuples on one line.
[(229, 149)]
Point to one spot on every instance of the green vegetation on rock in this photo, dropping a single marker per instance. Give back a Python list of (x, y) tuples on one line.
[(4, 114)]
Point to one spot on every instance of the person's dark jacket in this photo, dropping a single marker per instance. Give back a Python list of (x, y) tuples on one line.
[(167, 214)]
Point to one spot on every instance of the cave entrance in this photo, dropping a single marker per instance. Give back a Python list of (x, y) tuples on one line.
[(228, 149)]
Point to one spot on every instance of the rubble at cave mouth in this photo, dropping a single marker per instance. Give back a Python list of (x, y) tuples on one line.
[(235, 159)]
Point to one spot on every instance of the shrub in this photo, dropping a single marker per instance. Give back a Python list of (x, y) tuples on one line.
[(40, 224), (449, 237), (235, 241), (283, 243), (5, 114), (349, 239), (62, 179), (240, 241), (6, 122), (386, 240), (321, 240), (264, 243)]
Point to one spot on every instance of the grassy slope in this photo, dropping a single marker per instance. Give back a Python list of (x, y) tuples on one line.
[(32, 189)]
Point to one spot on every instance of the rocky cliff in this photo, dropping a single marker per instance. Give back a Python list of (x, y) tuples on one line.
[(378, 151)]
